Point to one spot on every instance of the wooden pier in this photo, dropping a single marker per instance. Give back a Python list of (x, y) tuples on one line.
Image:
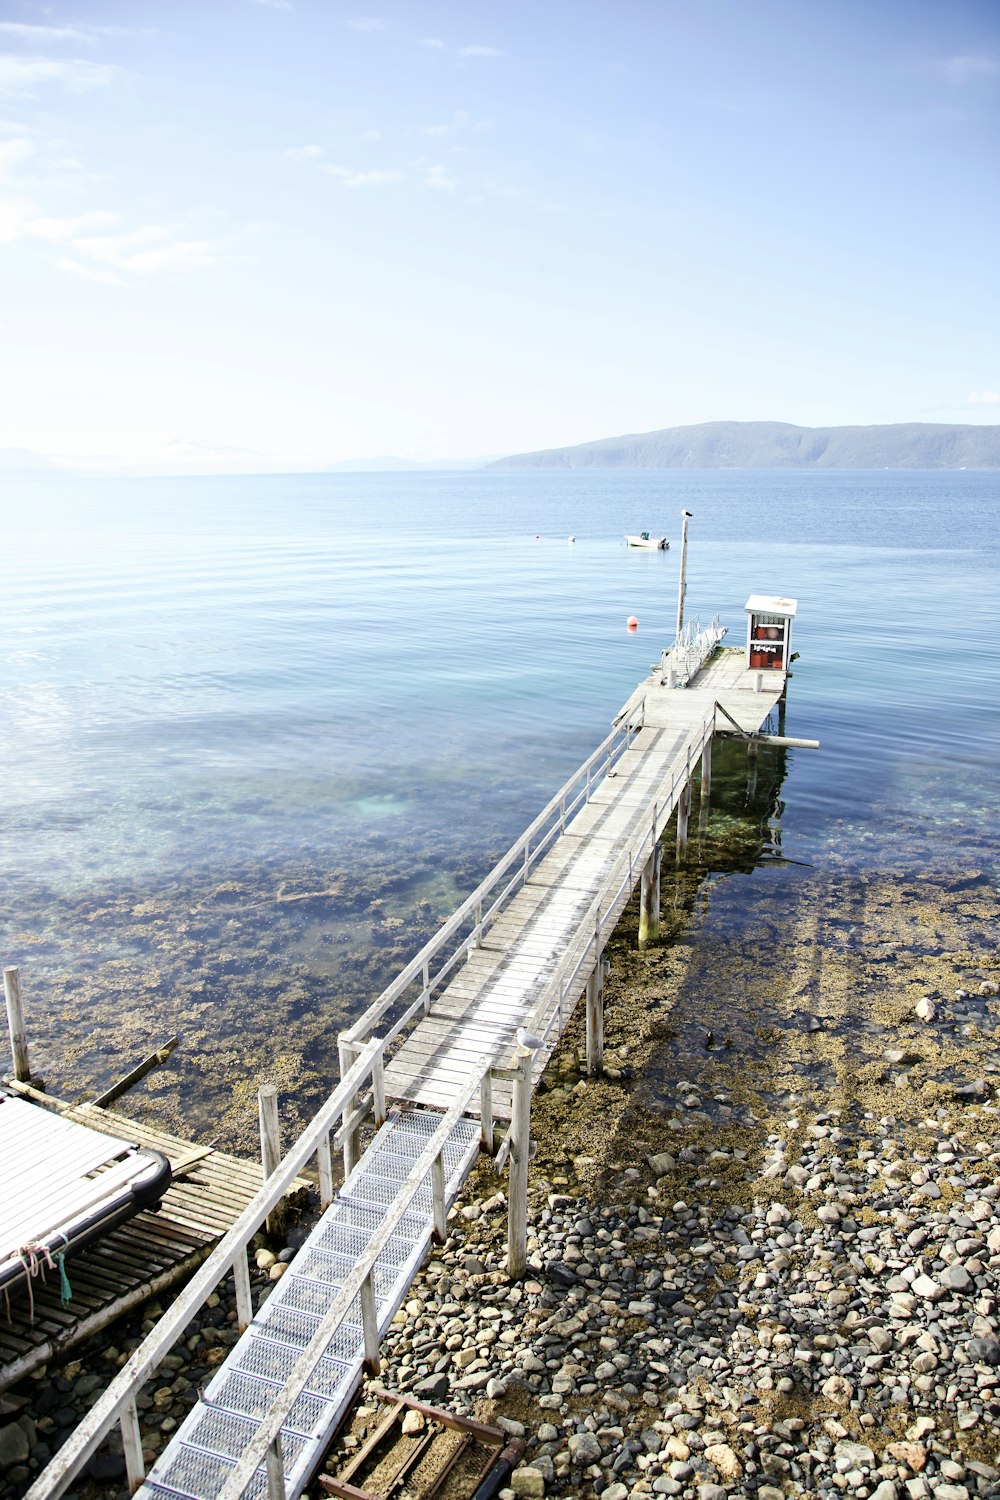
[(140, 1259), (449, 1052)]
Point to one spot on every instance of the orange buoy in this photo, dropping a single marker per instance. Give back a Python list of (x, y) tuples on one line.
[(632, 622)]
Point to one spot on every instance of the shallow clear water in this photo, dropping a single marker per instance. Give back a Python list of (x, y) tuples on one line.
[(216, 690)]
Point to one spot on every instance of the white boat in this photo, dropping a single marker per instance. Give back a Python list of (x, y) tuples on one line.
[(650, 543)]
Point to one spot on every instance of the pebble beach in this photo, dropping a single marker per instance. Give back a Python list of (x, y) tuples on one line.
[(764, 1246)]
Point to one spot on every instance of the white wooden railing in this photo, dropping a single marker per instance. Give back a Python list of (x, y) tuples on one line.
[(689, 652), (560, 995), (466, 928)]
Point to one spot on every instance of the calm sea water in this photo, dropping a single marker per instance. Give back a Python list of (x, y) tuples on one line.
[(220, 695)]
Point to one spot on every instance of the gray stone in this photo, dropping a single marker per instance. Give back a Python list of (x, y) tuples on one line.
[(711, 1492), (848, 1456), (885, 1491), (955, 1278), (584, 1448), (984, 1351), (14, 1447), (433, 1388), (529, 1482), (616, 1491)]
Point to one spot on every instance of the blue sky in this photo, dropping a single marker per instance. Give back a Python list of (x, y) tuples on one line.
[(253, 234)]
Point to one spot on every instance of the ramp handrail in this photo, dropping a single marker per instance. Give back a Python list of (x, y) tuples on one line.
[(499, 887), (690, 651), (356, 1285), (549, 1009), (117, 1403)]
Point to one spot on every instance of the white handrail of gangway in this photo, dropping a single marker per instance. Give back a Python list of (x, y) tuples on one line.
[(117, 1403), (520, 853), (295, 1382), (689, 652), (548, 1011)]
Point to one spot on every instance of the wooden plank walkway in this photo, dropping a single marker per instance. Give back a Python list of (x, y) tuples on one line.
[(507, 981), (140, 1259)]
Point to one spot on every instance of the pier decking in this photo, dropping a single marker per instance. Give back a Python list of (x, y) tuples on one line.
[(441, 1045), (505, 981)]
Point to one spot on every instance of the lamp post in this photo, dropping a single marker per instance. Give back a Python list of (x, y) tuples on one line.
[(685, 516)]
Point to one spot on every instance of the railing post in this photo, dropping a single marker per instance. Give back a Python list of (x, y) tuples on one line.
[(241, 1285), (378, 1087), (275, 1471), (324, 1165), (520, 1145), (135, 1467), (437, 1199), (486, 1111), (427, 988), (369, 1325), (270, 1147), (15, 1025), (478, 918), (348, 1056)]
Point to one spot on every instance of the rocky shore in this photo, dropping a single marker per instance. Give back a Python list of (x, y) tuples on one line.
[(765, 1245)]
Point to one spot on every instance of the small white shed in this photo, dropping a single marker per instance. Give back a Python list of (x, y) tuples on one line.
[(769, 631)]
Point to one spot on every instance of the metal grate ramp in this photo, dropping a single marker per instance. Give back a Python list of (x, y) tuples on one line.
[(198, 1459)]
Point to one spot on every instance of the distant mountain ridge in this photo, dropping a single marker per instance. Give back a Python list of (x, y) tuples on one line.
[(778, 445)]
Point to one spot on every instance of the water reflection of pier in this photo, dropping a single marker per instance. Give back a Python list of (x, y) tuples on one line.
[(445, 1058)]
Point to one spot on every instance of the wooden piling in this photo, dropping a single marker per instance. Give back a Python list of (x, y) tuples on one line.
[(595, 1018), (649, 899), (683, 818), (270, 1147), (15, 1025), (517, 1186)]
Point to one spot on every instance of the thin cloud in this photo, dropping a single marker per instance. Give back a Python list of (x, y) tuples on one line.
[(14, 151), (984, 398), (21, 75), (152, 251), (960, 70), (352, 178), (477, 50), (433, 42), (22, 31), (369, 23), (303, 153), (440, 178), (276, 4)]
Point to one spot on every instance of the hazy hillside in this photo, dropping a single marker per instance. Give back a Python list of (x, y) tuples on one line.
[(779, 445)]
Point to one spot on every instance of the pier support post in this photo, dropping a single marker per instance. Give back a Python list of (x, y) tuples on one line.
[(517, 1185), (649, 899), (683, 815), (705, 800), (595, 1017), (15, 1025), (270, 1147)]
